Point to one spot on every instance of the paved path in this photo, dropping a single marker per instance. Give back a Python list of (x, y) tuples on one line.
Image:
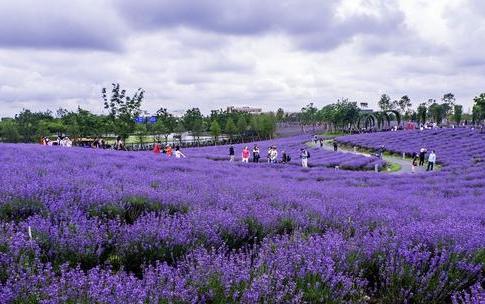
[(404, 163)]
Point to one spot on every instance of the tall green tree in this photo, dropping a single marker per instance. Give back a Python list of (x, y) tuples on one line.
[(216, 130), (254, 125), (29, 124), (141, 132), (457, 113), (328, 115), (384, 103), (194, 122), (422, 113), (308, 115), (230, 129), (123, 109), (9, 131), (346, 113), (179, 129), (242, 125), (404, 105), (448, 100), (198, 129), (280, 115), (266, 125), (479, 108), (165, 125), (437, 112)]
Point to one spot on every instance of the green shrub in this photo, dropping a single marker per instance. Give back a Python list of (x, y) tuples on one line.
[(20, 209), (132, 208)]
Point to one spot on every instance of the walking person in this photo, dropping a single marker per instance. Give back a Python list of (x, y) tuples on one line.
[(431, 161), (256, 154), (231, 153), (304, 156), (422, 154), (321, 142), (178, 153), (268, 155), (414, 162), (335, 146), (380, 151), (245, 155)]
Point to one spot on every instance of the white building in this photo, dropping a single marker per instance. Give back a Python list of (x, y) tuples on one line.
[(250, 110)]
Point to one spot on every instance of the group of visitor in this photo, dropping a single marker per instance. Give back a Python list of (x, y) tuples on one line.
[(99, 143), (419, 158), (317, 140), (63, 141), (272, 155), (168, 151), (119, 144)]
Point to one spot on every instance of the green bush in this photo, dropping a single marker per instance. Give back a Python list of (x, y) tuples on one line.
[(131, 208), (20, 209)]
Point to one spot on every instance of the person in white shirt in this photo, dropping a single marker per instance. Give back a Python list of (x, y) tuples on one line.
[(431, 161), (68, 142), (178, 153), (273, 155), (304, 155)]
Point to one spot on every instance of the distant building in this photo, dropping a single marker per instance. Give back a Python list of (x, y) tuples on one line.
[(364, 107), (249, 110)]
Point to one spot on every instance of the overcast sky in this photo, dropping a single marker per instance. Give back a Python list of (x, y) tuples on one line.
[(215, 53)]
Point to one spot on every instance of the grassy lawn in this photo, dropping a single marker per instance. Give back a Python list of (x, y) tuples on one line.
[(132, 139), (333, 134), (393, 167)]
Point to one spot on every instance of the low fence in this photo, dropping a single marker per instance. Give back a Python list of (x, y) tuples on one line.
[(180, 143)]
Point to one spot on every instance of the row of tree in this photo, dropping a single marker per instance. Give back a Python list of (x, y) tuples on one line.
[(345, 114), (123, 119), (123, 111)]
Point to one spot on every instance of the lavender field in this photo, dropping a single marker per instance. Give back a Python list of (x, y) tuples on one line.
[(96, 226)]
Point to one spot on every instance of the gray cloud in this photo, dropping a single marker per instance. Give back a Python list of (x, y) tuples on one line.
[(211, 54), (59, 24), (312, 24)]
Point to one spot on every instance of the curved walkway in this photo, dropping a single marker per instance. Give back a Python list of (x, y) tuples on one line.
[(405, 164)]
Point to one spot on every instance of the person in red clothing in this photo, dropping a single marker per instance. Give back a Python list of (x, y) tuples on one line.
[(156, 149), (245, 155), (169, 151)]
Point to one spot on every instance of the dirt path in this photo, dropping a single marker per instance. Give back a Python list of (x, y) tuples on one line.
[(405, 164)]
